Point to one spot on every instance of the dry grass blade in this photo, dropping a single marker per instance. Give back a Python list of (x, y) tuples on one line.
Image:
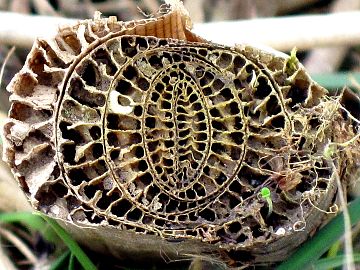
[(19, 244), (5, 61), (5, 261), (349, 259), (328, 153)]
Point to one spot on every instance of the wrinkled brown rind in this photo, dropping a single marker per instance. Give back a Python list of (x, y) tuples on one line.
[(146, 141)]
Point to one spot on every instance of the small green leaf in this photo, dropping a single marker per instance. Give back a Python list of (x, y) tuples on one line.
[(265, 192), (334, 249), (292, 62), (27, 218)]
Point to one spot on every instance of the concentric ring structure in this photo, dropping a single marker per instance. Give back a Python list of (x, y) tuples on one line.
[(143, 139)]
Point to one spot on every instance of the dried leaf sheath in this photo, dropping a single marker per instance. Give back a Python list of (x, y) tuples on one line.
[(158, 140)]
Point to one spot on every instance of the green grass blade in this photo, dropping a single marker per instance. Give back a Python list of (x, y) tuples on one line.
[(26, 218), (59, 263), (334, 249), (72, 262), (328, 263), (83, 259), (32, 221), (311, 250)]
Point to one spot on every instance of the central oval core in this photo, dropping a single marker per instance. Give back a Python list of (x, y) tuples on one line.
[(176, 129)]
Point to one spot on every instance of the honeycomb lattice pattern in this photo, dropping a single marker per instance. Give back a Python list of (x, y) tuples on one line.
[(166, 137), (174, 137)]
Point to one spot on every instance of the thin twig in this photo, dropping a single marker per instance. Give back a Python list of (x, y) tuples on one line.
[(282, 33)]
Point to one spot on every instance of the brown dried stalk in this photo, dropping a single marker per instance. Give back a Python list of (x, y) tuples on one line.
[(284, 33)]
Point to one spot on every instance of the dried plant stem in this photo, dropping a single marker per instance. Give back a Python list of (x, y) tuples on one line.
[(283, 33), (349, 259), (24, 29), (5, 261), (10, 52), (19, 244)]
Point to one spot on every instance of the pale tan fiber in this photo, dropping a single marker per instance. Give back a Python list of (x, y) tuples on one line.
[(5, 261), (151, 147), (11, 51), (19, 244)]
